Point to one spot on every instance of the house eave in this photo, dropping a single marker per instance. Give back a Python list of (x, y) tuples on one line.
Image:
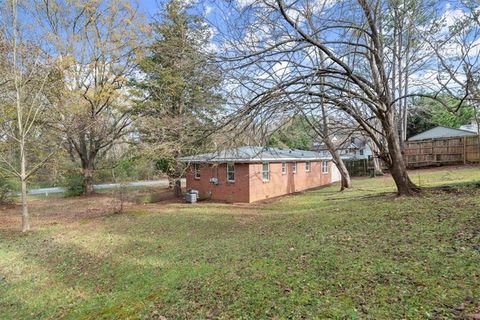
[(236, 160)]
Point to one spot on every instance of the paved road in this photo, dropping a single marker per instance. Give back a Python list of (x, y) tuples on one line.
[(153, 183)]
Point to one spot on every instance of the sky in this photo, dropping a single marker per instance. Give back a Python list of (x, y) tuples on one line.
[(150, 7)]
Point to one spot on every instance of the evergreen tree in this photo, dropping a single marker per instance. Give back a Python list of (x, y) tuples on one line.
[(295, 134), (180, 86)]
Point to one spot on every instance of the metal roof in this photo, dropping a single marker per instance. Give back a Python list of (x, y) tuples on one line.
[(441, 132), (255, 154), (473, 127)]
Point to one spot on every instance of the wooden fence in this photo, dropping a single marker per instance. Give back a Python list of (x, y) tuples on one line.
[(359, 167), (443, 151)]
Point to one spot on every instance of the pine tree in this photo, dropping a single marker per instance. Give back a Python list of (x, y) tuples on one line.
[(180, 85)]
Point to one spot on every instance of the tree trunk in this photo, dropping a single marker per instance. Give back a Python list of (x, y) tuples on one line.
[(398, 169), (88, 178), (177, 189), (25, 215), (23, 180), (177, 186), (377, 170), (346, 180)]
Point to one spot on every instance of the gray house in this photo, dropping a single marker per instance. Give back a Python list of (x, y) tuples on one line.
[(441, 132)]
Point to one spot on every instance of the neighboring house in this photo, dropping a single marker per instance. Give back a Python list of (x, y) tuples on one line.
[(349, 148), (249, 174), (473, 127), (442, 132)]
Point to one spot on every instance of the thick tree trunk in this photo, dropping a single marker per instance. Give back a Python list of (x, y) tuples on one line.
[(398, 169), (88, 170), (346, 180)]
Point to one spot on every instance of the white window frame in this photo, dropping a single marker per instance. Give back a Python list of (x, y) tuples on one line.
[(308, 166), (266, 172), (196, 171), (230, 171), (324, 167), (284, 168), (294, 167)]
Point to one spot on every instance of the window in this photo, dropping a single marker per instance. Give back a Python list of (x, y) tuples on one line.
[(308, 166), (324, 166), (294, 167), (266, 171), (230, 172), (361, 152), (284, 168), (196, 171)]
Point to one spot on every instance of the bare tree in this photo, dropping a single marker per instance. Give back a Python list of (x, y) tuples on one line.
[(406, 51), (29, 74), (99, 45), (457, 51), (355, 77), (262, 107)]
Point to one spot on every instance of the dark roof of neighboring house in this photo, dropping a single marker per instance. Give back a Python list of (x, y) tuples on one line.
[(441, 132), (255, 154)]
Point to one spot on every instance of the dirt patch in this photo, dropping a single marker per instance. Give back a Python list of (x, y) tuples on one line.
[(51, 211)]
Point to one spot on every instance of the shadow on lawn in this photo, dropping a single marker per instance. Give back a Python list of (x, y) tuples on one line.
[(130, 258)]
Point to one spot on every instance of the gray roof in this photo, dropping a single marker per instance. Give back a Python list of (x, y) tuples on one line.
[(255, 154), (441, 132), (470, 127)]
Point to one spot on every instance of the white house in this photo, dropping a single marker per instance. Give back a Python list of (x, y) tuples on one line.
[(349, 147)]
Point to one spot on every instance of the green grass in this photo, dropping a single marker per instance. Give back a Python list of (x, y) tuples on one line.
[(361, 254)]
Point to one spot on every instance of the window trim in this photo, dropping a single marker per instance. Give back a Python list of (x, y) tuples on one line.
[(294, 167), (323, 167), (268, 171), (308, 166), (284, 168), (196, 171), (231, 171)]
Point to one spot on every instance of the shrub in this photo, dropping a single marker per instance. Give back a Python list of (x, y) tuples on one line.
[(73, 184), (6, 191)]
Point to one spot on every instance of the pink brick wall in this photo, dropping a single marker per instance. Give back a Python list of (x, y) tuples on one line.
[(249, 185), (280, 184)]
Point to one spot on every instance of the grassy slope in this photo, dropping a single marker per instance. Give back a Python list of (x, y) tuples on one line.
[(360, 254)]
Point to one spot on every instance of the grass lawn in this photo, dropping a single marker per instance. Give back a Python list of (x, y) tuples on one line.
[(361, 254)]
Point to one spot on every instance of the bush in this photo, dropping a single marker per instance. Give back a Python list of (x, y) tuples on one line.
[(6, 191), (73, 184)]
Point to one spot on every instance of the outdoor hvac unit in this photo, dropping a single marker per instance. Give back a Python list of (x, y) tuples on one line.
[(191, 196)]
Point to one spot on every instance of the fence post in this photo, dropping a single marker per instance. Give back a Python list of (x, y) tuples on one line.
[(465, 150), (433, 152)]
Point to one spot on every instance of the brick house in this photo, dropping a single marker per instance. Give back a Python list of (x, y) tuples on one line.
[(249, 174)]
